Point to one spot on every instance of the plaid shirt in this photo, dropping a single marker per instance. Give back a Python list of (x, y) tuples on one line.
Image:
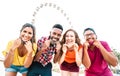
[(46, 55)]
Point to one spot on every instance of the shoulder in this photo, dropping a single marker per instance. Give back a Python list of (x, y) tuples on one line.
[(103, 42), (10, 42), (42, 39), (34, 45), (105, 45), (80, 47)]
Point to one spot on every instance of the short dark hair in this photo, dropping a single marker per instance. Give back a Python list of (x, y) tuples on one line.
[(58, 26), (91, 29)]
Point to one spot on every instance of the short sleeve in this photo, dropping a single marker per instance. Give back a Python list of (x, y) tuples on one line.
[(106, 46), (7, 48), (40, 42), (34, 49)]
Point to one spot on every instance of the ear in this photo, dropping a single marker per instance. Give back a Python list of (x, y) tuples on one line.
[(96, 36)]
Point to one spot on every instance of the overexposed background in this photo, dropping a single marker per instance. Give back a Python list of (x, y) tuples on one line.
[(102, 15)]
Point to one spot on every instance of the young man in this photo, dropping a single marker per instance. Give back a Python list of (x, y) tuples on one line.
[(47, 47), (97, 55)]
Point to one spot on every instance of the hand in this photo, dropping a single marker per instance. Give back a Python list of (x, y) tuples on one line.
[(86, 45), (58, 46), (28, 46), (97, 43), (64, 48), (16, 43), (75, 46), (45, 45), (42, 49), (69, 45)]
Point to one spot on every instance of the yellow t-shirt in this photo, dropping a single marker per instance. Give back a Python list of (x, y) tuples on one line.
[(19, 61)]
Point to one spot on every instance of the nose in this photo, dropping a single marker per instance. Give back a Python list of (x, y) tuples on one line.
[(26, 34), (89, 36), (69, 37), (55, 36)]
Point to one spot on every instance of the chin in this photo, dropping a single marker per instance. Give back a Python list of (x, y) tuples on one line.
[(25, 40)]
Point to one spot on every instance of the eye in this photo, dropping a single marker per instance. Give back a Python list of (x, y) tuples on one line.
[(30, 33), (67, 36), (71, 36), (24, 31), (59, 35), (54, 33)]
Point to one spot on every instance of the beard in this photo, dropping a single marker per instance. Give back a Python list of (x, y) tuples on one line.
[(53, 41)]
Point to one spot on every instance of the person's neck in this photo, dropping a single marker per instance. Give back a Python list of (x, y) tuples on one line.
[(92, 47)]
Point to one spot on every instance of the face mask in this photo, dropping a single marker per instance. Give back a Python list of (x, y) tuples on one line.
[(91, 43)]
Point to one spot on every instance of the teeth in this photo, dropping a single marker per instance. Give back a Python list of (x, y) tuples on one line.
[(54, 39)]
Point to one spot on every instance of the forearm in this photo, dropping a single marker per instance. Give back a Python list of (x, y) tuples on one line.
[(62, 58), (86, 60), (28, 60), (9, 58), (56, 58), (78, 58), (109, 56)]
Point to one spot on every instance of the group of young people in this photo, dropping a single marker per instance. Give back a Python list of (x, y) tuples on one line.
[(34, 58)]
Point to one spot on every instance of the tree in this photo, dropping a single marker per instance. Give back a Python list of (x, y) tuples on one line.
[(117, 54)]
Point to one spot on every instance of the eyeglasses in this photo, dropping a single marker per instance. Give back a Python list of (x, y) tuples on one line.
[(90, 34)]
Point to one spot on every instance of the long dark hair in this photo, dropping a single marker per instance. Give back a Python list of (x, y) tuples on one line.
[(33, 39)]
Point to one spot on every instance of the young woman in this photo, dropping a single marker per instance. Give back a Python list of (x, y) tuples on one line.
[(20, 52), (71, 54)]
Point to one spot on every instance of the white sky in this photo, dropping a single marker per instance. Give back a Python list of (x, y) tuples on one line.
[(102, 15)]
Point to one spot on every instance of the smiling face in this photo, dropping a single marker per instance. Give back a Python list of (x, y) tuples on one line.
[(26, 34), (55, 34), (70, 37), (89, 36)]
